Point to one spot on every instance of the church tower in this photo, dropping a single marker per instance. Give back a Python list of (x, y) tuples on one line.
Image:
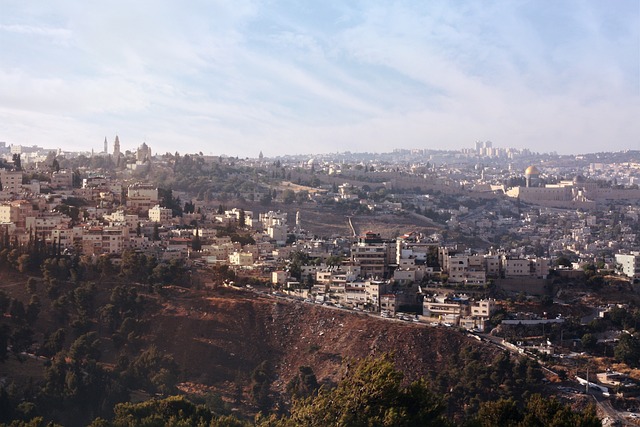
[(105, 151), (116, 149)]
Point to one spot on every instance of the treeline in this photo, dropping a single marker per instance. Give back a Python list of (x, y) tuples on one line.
[(76, 385), (67, 325), (78, 311), (372, 393), (48, 262)]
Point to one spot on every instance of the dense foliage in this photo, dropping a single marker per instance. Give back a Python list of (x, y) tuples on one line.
[(371, 394), (93, 307)]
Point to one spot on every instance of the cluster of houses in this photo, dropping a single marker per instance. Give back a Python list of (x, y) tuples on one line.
[(104, 216)]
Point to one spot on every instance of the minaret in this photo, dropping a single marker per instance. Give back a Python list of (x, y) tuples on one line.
[(116, 149), (105, 145)]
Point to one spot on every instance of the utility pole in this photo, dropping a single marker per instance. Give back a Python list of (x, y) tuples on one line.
[(587, 391)]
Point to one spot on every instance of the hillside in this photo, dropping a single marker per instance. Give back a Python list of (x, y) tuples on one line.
[(216, 336), (220, 338)]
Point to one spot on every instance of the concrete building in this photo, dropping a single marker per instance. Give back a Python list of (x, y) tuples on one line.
[(241, 259), (142, 195), (11, 181), (279, 277), (275, 225), (62, 179), (629, 264), (160, 214), (445, 308), (16, 212), (371, 254)]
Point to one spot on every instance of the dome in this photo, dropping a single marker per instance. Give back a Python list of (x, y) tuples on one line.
[(311, 162), (579, 179), (532, 170)]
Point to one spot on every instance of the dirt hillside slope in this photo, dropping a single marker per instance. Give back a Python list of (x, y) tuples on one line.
[(219, 337)]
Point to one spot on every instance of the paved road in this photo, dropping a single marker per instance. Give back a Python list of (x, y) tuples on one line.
[(610, 412), (602, 402)]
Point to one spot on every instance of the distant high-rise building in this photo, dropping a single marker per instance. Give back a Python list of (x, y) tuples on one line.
[(483, 148), (106, 150)]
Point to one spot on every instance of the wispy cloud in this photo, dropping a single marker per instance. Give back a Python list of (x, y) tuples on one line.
[(58, 33), (240, 77)]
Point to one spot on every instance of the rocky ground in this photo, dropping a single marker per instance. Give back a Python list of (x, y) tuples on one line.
[(218, 338)]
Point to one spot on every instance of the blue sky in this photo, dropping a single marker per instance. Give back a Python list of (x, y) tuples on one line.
[(287, 77)]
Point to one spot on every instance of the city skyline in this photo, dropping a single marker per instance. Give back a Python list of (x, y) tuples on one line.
[(244, 77)]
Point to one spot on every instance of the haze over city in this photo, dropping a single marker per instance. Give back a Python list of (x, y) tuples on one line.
[(284, 78)]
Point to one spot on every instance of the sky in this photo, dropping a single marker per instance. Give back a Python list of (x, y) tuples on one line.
[(240, 77)]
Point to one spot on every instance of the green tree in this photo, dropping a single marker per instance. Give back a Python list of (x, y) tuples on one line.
[(54, 343), (154, 371), (17, 163), (628, 350), (21, 339), (33, 309), (503, 413), (17, 311), (31, 286), (266, 199), (85, 348), (4, 342), (589, 341), (261, 379), (302, 196), (539, 411), (304, 384), (288, 196), (563, 261), (175, 411), (196, 243), (371, 394)]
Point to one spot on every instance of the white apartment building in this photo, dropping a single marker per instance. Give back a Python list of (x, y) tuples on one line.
[(160, 214), (483, 308), (445, 308), (525, 267), (242, 259), (120, 217), (629, 264)]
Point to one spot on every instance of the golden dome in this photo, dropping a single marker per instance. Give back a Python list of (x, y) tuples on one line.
[(532, 170)]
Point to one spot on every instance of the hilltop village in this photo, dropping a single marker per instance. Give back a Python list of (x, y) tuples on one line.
[(539, 253)]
